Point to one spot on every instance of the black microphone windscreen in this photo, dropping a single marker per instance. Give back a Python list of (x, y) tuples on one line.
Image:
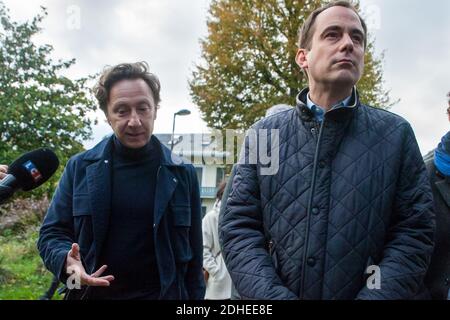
[(34, 168)]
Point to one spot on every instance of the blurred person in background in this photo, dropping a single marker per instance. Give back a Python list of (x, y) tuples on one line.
[(218, 281), (438, 166)]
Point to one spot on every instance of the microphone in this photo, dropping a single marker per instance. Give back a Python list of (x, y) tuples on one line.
[(28, 172)]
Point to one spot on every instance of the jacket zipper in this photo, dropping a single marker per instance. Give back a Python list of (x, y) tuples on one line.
[(270, 247), (308, 212)]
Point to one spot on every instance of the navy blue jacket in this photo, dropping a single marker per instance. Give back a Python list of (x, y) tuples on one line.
[(438, 276), (349, 193), (80, 209)]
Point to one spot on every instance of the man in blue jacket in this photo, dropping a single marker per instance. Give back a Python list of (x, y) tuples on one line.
[(347, 212), (128, 206)]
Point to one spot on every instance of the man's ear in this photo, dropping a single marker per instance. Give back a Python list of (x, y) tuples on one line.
[(302, 58)]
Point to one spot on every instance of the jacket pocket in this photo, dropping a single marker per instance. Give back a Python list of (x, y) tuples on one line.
[(181, 223), (81, 205), (181, 216), (82, 223)]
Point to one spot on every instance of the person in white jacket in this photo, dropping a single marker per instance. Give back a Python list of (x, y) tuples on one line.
[(217, 278)]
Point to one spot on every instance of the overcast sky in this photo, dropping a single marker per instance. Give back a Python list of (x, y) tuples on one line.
[(414, 36)]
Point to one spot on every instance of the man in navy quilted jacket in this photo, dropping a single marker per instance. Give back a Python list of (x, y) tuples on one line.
[(343, 209)]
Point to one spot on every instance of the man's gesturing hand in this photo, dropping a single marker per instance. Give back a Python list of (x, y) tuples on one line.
[(73, 264)]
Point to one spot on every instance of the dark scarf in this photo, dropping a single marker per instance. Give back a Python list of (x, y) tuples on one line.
[(442, 156)]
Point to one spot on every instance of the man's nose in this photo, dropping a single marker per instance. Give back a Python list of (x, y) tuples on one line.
[(134, 121), (347, 43)]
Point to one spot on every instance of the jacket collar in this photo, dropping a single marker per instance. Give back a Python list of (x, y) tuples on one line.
[(102, 151), (443, 187), (336, 114), (98, 175)]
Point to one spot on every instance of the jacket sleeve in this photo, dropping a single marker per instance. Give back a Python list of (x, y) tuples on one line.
[(242, 238), (56, 234), (410, 240), (209, 262), (195, 280)]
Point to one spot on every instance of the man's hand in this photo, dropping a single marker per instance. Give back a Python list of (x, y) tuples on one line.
[(73, 263), (3, 171)]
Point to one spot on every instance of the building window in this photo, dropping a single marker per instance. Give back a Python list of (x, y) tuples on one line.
[(220, 175)]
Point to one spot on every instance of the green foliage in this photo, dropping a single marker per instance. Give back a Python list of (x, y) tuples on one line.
[(21, 213), (22, 273), (40, 106), (248, 62)]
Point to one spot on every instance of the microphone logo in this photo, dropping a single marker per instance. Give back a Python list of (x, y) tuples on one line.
[(34, 172)]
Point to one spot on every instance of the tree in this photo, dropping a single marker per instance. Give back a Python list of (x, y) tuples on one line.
[(248, 62), (40, 107)]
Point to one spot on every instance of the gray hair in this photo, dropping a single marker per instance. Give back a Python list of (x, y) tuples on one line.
[(277, 108)]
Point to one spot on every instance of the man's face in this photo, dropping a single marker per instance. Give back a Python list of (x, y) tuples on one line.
[(131, 112), (336, 56)]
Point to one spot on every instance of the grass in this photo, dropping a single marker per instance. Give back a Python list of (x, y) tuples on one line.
[(22, 273)]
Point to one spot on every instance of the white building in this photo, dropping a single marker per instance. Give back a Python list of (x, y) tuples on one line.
[(206, 156)]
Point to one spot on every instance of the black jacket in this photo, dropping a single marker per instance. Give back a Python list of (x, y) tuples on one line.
[(349, 193), (80, 212), (438, 276)]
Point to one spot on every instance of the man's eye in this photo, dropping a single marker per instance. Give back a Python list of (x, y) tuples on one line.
[(331, 35), (357, 38)]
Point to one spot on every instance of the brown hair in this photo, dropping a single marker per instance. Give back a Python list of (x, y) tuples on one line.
[(221, 189), (131, 71), (306, 31)]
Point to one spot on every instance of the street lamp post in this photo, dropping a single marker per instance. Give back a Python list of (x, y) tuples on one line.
[(182, 112)]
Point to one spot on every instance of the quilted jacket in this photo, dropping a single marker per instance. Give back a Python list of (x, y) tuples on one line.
[(350, 193)]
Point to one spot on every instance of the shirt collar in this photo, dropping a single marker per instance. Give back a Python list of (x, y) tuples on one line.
[(319, 112)]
